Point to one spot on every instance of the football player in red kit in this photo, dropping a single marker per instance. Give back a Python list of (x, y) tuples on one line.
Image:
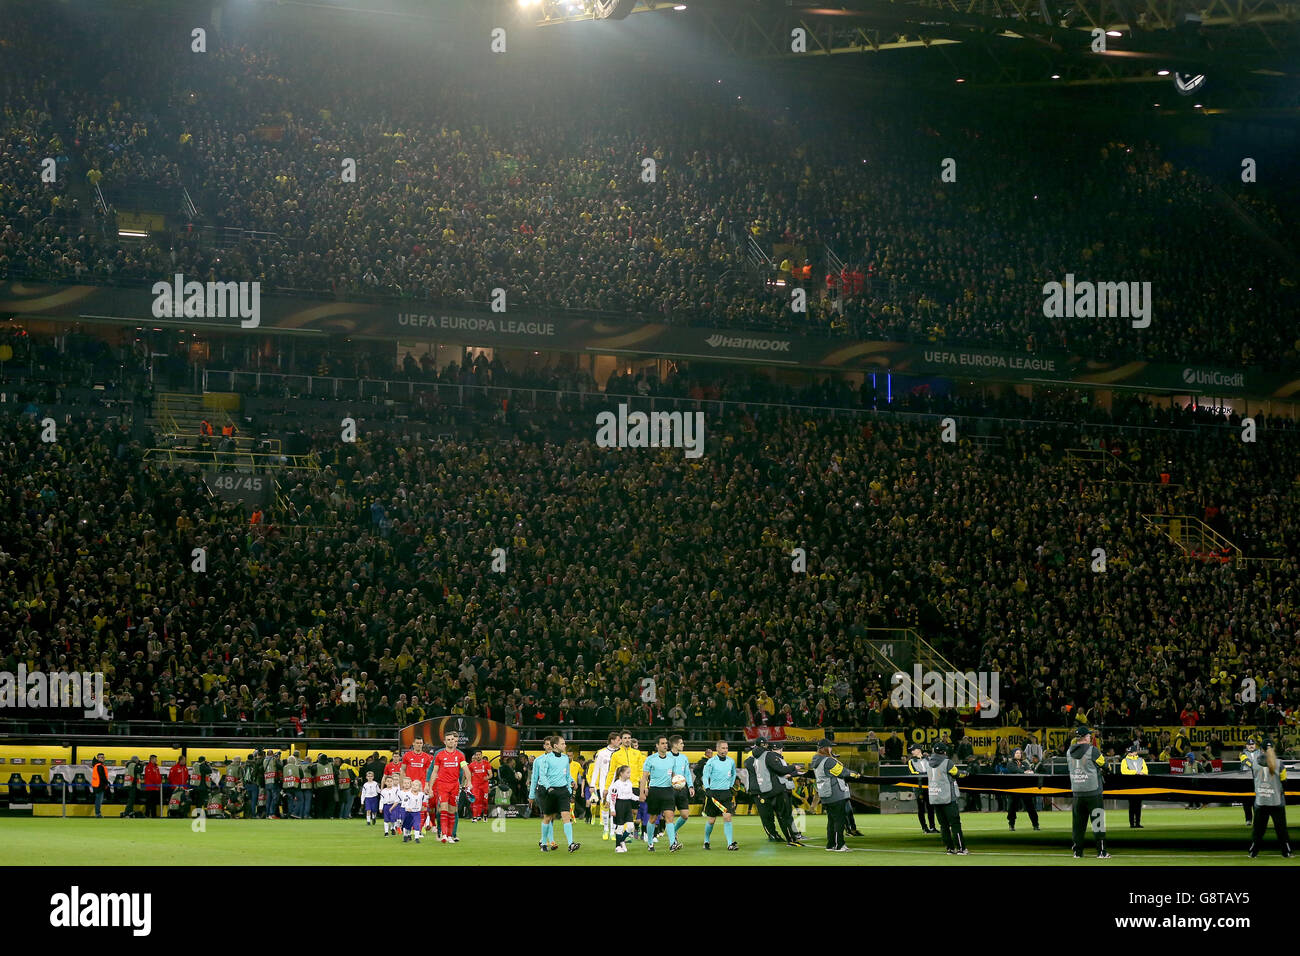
[(416, 762), (451, 773), (480, 776), (393, 769)]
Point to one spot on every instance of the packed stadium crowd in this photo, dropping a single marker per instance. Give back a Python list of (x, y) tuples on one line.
[(490, 180), (621, 566)]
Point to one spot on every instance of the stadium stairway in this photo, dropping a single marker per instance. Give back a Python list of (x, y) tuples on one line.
[(898, 650), (179, 413)]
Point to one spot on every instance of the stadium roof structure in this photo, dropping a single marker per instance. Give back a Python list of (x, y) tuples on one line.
[(1247, 50)]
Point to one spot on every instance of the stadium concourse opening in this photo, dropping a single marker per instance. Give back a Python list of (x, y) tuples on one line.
[(649, 434)]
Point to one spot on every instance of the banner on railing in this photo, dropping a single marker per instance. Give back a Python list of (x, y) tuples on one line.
[(474, 732), (800, 735), (535, 330), (984, 741)]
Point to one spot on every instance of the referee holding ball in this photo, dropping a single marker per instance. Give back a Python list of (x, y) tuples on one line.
[(658, 793)]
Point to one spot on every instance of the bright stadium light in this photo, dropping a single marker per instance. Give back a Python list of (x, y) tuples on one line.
[(1113, 33)]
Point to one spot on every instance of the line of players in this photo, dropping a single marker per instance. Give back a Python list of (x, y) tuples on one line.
[(666, 786), (637, 793), (422, 791)]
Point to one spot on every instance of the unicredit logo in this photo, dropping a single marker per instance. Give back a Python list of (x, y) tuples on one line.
[(762, 345), (1194, 376)]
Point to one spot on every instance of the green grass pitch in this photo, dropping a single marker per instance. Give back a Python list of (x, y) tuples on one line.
[(1171, 836)]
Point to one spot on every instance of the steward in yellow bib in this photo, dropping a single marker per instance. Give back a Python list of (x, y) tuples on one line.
[(1134, 765)]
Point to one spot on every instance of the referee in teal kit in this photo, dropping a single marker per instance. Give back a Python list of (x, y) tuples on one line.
[(719, 780), (682, 767), (658, 793)]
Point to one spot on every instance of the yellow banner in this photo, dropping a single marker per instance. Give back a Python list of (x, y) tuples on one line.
[(983, 740), (1056, 739)]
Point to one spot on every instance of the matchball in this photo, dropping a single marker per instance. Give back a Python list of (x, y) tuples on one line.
[(678, 781)]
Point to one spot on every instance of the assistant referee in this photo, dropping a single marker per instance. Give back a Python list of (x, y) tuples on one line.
[(718, 777)]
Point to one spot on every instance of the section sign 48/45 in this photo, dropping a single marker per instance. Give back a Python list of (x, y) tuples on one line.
[(239, 488)]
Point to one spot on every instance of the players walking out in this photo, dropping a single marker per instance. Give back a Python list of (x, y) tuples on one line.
[(718, 778), (480, 777), (657, 792), (370, 798), (552, 787), (413, 799), (451, 774), (683, 792), (622, 803), (599, 778)]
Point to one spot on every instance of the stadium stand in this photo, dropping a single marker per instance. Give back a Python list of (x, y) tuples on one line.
[(377, 565), (465, 189)]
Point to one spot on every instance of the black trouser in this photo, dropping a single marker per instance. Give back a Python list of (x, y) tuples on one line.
[(764, 806), (130, 800), (1248, 806), (837, 817), (152, 800), (950, 825), (1021, 801), (924, 807), (1260, 825), (1134, 813), (1085, 804), (783, 810)]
